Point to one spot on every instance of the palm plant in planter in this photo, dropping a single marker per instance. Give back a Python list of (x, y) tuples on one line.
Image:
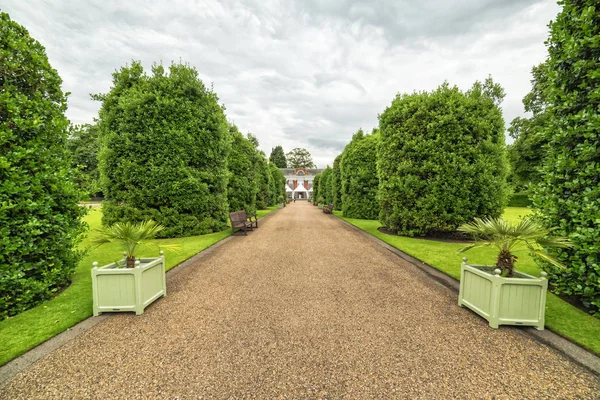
[(142, 281), (499, 293)]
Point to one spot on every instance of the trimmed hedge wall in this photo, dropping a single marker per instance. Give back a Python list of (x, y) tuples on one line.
[(242, 188), (568, 196), (336, 183), (39, 212), (441, 159), (164, 151), (359, 177)]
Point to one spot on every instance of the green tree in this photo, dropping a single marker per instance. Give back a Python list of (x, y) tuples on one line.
[(164, 151), (277, 157), (40, 221), (568, 195), (336, 183), (84, 145), (262, 181), (360, 183), (242, 189), (300, 158), (276, 184), (441, 159), (316, 188), (325, 185), (527, 153)]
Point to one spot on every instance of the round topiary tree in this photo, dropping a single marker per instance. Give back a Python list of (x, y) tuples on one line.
[(39, 212), (360, 183), (441, 159), (568, 194), (164, 149)]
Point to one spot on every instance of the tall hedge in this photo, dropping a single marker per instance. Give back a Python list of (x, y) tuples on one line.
[(325, 185), (262, 181), (276, 184), (165, 145), (441, 159), (360, 183), (568, 195), (317, 188), (39, 213), (336, 183), (242, 188)]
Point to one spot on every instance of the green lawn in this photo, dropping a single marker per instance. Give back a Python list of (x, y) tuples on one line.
[(561, 317), (32, 327)]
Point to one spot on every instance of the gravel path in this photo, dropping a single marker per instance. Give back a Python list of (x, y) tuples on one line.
[(304, 307)]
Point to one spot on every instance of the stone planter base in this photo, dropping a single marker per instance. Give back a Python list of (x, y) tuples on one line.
[(520, 300), (280, 205), (118, 289)]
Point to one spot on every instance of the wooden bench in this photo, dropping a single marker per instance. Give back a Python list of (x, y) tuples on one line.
[(328, 209), (239, 221)]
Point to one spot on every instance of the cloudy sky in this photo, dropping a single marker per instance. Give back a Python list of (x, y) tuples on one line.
[(296, 73)]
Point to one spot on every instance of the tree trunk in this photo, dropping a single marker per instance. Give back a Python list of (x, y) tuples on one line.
[(130, 261), (506, 263)]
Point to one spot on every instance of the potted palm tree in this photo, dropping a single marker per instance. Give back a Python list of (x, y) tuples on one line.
[(130, 284), (499, 293)]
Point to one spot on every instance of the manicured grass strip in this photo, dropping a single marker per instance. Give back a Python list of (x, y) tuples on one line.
[(561, 317), (32, 327)]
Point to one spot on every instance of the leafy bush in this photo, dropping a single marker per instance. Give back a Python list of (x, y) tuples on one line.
[(336, 184), (316, 186), (360, 183), (568, 195), (39, 212), (262, 180), (520, 199), (276, 184), (325, 185), (242, 189), (84, 145), (164, 151), (441, 159)]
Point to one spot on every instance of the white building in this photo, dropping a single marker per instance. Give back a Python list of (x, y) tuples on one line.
[(300, 181)]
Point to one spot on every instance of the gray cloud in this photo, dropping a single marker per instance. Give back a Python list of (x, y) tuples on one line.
[(305, 73)]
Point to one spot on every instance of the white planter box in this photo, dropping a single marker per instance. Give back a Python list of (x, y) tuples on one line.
[(118, 289), (520, 300)]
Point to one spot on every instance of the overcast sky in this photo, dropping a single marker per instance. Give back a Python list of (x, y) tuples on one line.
[(303, 73)]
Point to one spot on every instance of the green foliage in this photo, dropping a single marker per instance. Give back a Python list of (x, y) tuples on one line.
[(39, 214), (317, 186), (526, 154), (520, 199), (164, 151), (84, 145), (441, 159), (276, 184), (336, 183), (325, 185), (242, 189), (299, 158), (262, 180), (129, 236), (568, 195), (360, 183), (508, 236), (277, 157)]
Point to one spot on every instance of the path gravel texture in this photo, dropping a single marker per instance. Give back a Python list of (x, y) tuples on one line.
[(303, 307)]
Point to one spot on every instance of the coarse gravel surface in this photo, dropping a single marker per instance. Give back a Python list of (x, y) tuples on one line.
[(303, 307)]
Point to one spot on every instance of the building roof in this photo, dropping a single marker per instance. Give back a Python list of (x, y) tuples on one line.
[(300, 188), (310, 171)]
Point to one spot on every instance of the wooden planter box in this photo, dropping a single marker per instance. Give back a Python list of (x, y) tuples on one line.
[(117, 289), (280, 205), (520, 300)]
